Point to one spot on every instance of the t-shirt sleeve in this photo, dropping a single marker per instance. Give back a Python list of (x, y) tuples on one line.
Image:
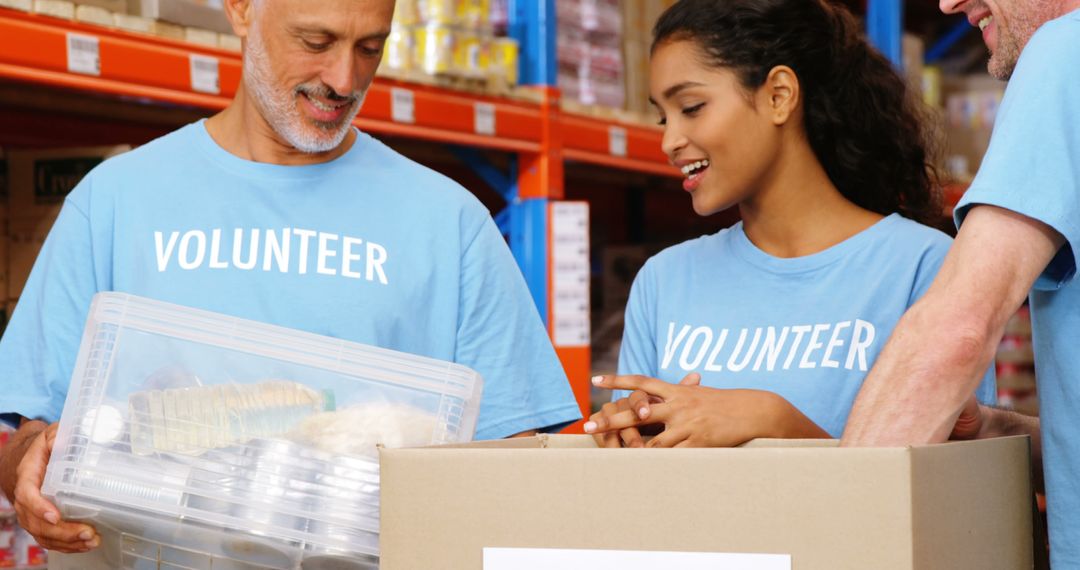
[(637, 353), (501, 336), (932, 259), (1033, 164), (41, 342)]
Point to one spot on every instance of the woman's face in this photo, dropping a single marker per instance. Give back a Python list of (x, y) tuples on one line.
[(723, 139)]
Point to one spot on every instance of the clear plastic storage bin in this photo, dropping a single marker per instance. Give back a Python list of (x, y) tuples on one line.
[(195, 440)]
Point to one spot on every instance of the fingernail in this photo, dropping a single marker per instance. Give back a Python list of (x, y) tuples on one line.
[(51, 517), (590, 427), (597, 380), (643, 412), (93, 543), (86, 535)]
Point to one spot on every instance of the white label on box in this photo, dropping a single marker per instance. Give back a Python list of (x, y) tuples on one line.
[(485, 118), (83, 54), (617, 141), (570, 273), (546, 559), (402, 105), (204, 74)]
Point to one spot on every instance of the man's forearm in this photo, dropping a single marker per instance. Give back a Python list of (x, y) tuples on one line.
[(923, 377), (943, 344)]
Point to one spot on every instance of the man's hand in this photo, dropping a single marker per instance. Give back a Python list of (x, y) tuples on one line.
[(971, 422), (26, 459)]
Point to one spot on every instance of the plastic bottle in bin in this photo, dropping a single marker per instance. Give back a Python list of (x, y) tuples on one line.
[(195, 419)]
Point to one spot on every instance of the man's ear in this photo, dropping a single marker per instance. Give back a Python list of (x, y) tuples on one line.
[(241, 14)]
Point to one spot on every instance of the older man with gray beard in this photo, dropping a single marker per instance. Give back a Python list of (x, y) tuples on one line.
[(1020, 234), (277, 209)]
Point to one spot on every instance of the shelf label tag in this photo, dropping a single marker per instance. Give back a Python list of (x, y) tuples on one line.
[(569, 223), (402, 105), (204, 74), (485, 118), (83, 54), (617, 141)]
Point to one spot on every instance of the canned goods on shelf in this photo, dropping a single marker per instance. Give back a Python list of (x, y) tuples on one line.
[(398, 51), (437, 12), (472, 54), (504, 60), (435, 49), (405, 13), (474, 13)]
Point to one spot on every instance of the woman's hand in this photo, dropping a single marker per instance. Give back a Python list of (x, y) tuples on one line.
[(638, 402), (697, 416)]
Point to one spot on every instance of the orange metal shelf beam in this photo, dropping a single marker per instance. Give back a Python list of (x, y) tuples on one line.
[(588, 140), (33, 49)]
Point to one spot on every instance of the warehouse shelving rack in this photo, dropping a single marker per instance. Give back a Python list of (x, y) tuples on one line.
[(44, 51), (38, 50)]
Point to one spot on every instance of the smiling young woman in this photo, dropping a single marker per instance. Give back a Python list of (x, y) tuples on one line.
[(766, 329)]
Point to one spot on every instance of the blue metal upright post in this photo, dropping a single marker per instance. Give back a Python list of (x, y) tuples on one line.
[(885, 28), (533, 24)]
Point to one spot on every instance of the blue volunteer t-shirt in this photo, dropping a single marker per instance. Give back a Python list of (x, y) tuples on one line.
[(370, 247), (1033, 168), (807, 328)]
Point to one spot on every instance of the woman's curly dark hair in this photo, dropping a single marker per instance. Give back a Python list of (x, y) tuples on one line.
[(863, 124)]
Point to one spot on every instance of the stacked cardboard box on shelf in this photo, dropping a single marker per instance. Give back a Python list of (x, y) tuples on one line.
[(639, 18), (1015, 362), (590, 59), (195, 21), (971, 105), (38, 182)]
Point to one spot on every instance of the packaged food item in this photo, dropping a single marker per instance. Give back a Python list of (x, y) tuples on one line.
[(435, 49), (504, 60), (475, 14), (398, 51), (472, 54), (405, 13), (194, 419), (442, 12)]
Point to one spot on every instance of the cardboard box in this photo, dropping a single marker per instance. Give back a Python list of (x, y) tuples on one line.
[(206, 14), (230, 42), (93, 15), (119, 6), (619, 266), (954, 506), (55, 8), (201, 36), (131, 23), (37, 183), (24, 5), (39, 180)]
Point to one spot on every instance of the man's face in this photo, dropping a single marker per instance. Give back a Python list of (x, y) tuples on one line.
[(309, 64), (1006, 26)]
